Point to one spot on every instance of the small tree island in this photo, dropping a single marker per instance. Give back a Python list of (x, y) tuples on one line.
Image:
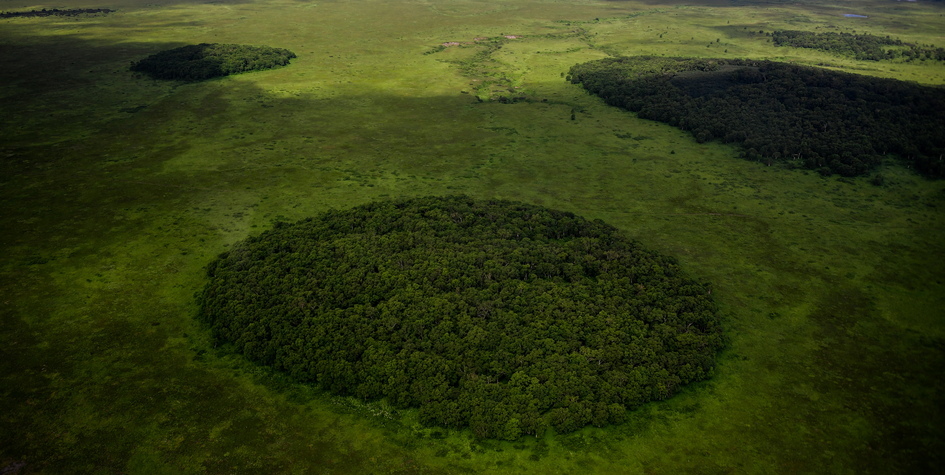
[(498, 316), (210, 60)]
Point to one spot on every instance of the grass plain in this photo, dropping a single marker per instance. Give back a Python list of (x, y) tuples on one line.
[(116, 190)]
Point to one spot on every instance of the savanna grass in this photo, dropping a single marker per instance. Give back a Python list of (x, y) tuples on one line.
[(118, 190)]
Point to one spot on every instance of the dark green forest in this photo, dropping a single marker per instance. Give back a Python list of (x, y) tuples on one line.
[(797, 116), (502, 317), (210, 60), (860, 46), (55, 12)]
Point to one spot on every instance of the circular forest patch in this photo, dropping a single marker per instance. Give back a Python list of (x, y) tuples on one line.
[(498, 316), (209, 60)]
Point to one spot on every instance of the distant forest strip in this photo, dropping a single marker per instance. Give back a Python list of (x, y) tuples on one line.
[(799, 116), (210, 60), (55, 12), (862, 46)]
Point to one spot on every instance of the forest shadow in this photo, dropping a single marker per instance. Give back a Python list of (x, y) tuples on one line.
[(87, 138), (85, 185)]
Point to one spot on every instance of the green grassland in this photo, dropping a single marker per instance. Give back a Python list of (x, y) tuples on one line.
[(116, 190)]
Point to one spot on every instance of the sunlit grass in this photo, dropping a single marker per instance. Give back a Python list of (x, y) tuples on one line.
[(118, 189)]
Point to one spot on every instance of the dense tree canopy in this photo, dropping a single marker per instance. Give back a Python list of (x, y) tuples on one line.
[(55, 12), (498, 316), (802, 116), (859, 46), (206, 60)]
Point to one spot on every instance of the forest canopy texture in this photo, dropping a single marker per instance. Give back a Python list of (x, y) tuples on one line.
[(209, 60), (860, 46), (800, 116), (498, 316)]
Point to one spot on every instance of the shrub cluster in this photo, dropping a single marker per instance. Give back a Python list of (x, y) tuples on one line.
[(801, 116), (206, 60), (498, 316)]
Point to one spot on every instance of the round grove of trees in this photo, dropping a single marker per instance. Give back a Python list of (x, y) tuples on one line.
[(209, 60), (498, 316)]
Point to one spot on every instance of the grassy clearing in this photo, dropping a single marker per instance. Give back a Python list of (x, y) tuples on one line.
[(117, 190)]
